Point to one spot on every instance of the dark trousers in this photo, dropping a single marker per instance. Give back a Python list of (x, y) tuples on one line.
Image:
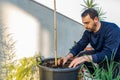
[(104, 64)]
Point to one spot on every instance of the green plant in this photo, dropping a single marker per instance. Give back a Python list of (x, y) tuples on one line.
[(91, 4), (110, 73), (24, 69), (7, 51)]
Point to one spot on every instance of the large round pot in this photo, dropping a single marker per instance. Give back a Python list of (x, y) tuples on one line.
[(47, 73)]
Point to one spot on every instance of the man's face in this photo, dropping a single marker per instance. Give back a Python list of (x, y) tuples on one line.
[(89, 23)]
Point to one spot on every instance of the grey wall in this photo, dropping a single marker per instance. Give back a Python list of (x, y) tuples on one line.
[(68, 30)]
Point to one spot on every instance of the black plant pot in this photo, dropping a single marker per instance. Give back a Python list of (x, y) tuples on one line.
[(47, 73)]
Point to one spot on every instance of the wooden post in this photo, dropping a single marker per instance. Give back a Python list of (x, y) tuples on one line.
[(55, 34)]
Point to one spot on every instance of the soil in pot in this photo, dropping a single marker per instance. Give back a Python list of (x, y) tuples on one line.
[(51, 64)]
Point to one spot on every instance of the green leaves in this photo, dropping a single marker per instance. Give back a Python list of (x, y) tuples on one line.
[(91, 4), (24, 69), (88, 4), (7, 50), (105, 74)]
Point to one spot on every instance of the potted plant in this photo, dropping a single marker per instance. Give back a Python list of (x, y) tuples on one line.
[(48, 71), (48, 68)]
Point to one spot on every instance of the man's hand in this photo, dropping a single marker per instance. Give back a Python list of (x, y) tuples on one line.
[(65, 59), (79, 60)]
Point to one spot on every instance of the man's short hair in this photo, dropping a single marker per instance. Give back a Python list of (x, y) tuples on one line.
[(92, 13)]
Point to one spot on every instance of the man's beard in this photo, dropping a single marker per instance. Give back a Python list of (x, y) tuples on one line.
[(93, 29)]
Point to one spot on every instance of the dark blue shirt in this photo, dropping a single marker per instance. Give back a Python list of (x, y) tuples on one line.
[(105, 42)]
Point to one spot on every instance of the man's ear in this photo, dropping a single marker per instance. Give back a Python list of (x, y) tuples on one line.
[(96, 19)]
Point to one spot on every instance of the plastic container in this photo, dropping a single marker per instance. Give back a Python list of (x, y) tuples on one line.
[(47, 73)]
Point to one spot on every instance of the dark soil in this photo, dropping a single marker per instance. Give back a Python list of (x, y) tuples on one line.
[(51, 64)]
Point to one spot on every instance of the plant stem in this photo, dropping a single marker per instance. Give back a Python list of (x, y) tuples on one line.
[(55, 34)]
